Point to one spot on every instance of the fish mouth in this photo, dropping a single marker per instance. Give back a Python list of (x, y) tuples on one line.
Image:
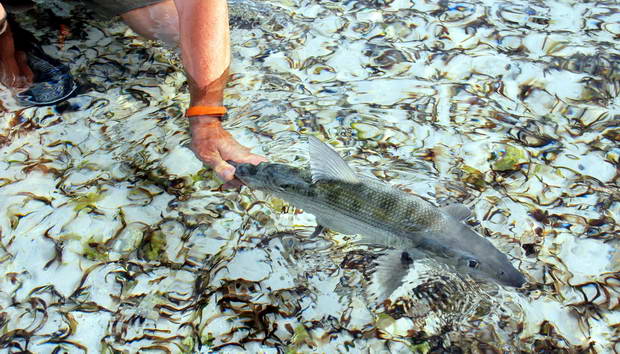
[(240, 171), (516, 280), (519, 283)]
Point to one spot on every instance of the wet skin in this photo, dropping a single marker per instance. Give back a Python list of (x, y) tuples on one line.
[(200, 29), (14, 71)]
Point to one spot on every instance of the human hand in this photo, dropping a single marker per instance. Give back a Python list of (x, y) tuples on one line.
[(214, 146)]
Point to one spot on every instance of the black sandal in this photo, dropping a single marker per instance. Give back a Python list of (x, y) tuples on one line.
[(52, 82)]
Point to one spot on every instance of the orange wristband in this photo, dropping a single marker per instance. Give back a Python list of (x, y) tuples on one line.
[(205, 111)]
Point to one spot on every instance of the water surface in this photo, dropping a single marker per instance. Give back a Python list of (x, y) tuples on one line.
[(115, 237)]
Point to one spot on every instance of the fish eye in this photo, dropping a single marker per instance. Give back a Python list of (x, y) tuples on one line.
[(472, 263)]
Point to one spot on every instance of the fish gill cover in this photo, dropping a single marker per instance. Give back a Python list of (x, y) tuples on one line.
[(115, 238)]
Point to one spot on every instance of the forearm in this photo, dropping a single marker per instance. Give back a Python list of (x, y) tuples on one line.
[(205, 48)]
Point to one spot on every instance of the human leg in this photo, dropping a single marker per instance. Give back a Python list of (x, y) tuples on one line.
[(159, 21)]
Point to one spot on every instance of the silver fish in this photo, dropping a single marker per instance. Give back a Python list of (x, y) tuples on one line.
[(383, 215)]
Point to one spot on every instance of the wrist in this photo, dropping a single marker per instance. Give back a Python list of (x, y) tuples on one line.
[(204, 123), (201, 100)]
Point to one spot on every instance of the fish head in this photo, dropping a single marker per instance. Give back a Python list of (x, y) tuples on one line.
[(273, 177), (481, 260), (497, 269)]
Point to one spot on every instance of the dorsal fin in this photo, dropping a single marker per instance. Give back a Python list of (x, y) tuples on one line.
[(458, 211), (326, 164)]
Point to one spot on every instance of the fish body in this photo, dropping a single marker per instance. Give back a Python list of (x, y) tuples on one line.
[(382, 214)]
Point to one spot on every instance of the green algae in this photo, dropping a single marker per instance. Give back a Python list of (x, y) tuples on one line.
[(155, 246), (88, 166), (277, 204), (366, 131), (87, 201), (473, 177), (188, 345), (422, 348), (383, 321), (95, 251), (300, 337), (203, 175), (69, 237), (208, 339), (510, 159)]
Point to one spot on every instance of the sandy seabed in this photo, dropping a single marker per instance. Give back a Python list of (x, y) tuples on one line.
[(114, 237)]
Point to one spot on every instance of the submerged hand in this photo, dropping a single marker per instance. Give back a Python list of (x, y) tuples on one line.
[(214, 146)]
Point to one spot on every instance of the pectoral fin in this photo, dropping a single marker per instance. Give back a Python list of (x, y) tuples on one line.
[(390, 272), (326, 164)]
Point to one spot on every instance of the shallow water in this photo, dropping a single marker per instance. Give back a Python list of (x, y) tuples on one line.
[(115, 237)]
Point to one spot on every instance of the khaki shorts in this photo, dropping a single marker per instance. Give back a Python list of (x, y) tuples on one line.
[(111, 8)]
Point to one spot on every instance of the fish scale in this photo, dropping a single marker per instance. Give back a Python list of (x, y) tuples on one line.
[(370, 204)]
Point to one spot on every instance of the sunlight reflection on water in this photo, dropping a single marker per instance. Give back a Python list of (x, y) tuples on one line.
[(114, 236)]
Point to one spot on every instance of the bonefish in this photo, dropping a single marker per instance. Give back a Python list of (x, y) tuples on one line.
[(349, 203)]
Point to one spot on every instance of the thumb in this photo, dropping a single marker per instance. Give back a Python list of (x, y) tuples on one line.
[(224, 170)]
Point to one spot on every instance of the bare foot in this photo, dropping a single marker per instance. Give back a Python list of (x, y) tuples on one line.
[(14, 70)]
